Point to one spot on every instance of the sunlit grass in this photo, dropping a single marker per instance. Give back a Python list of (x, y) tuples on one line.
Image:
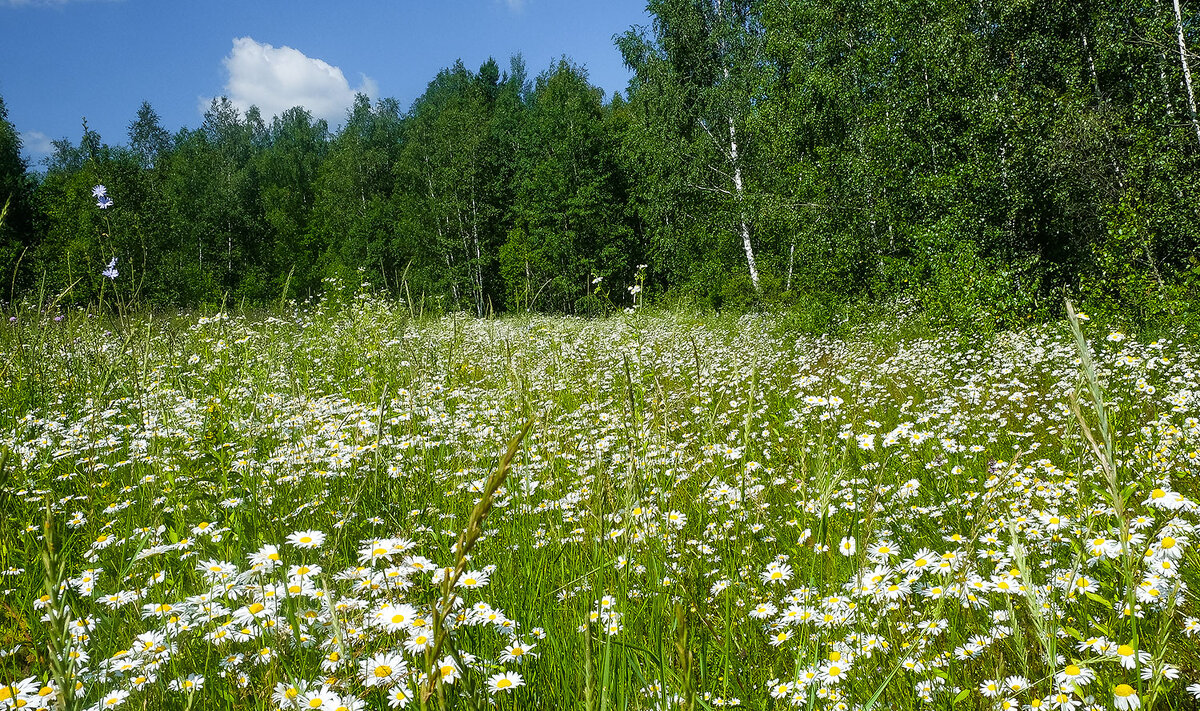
[(257, 511)]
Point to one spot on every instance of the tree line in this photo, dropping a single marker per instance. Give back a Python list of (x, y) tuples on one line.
[(980, 159)]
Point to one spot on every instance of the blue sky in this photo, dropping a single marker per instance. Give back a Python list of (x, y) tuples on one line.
[(63, 60)]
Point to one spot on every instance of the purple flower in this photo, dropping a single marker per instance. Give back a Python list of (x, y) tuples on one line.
[(104, 202), (111, 270), (99, 191)]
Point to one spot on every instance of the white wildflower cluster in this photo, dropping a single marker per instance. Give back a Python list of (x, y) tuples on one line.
[(285, 496)]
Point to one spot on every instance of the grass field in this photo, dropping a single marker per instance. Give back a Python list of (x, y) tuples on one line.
[(350, 507)]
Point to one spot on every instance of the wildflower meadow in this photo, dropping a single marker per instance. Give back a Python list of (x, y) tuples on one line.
[(350, 505)]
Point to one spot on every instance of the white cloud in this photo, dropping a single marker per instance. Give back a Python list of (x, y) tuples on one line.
[(277, 78), (515, 5), (36, 144)]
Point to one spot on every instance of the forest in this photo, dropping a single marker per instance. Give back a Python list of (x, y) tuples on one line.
[(979, 160)]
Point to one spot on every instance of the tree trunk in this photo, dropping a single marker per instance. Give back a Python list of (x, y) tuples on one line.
[(738, 185), (1187, 71), (1087, 51), (478, 275), (741, 198), (787, 286), (1166, 86)]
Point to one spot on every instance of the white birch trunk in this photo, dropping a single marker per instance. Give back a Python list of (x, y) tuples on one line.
[(1187, 71), (1087, 51), (791, 262), (1166, 87), (741, 198), (738, 185), (478, 272)]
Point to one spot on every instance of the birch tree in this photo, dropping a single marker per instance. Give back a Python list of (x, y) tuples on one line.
[(699, 71), (1186, 68)]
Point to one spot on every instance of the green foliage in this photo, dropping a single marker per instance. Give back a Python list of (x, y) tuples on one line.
[(16, 191), (570, 225), (977, 294), (518, 264), (980, 160)]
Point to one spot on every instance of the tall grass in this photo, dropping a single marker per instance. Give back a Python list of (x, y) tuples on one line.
[(648, 511)]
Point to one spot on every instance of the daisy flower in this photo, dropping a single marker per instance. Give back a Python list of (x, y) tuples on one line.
[(1074, 676), (398, 697), (777, 573), (834, 672), (763, 610), (324, 699), (113, 699), (517, 652), (1016, 684), (505, 681), (448, 669), (418, 643), (306, 539), (394, 618), (1125, 698), (473, 579)]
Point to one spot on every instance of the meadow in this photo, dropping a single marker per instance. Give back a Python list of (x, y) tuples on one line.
[(350, 505)]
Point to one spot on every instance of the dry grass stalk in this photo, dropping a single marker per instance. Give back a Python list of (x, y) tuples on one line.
[(466, 542)]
